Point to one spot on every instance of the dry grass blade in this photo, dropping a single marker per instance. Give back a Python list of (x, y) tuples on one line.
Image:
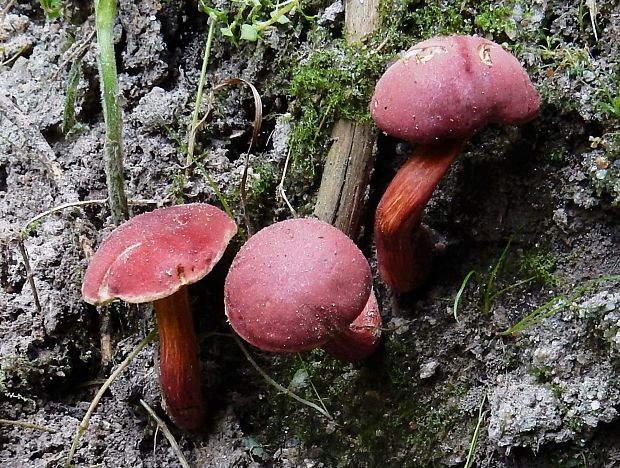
[(32, 221), (83, 426), (5, 10), (63, 206), (194, 132), (27, 425), (593, 10), (258, 104), (167, 434), (29, 274), (258, 119), (282, 190), (76, 51), (15, 56)]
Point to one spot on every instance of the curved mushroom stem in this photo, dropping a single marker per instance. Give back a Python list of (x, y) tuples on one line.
[(404, 249), (179, 368), (360, 338)]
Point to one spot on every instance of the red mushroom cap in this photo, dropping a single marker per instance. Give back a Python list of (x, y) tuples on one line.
[(153, 254), (449, 88), (296, 284)]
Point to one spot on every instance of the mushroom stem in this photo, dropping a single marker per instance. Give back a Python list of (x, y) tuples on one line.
[(358, 340), (179, 369), (404, 249)]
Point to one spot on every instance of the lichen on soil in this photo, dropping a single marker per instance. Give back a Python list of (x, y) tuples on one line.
[(532, 211)]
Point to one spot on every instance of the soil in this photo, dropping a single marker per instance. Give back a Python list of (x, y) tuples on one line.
[(533, 211)]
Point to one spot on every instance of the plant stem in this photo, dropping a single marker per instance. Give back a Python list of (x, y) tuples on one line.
[(474, 439), (27, 425), (286, 8), (164, 428), (105, 12), (200, 92), (276, 385), (83, 426)]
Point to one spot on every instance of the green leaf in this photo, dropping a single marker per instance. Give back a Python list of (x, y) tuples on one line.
[(282, 19), (299, 380), (52, 8), (249, 33), (227, 32)]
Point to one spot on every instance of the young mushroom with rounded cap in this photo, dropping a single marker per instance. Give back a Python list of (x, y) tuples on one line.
[(439, 94), (301, 284), (152, 258)]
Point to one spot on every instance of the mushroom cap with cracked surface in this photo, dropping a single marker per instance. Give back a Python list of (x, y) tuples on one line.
[(450, 87)]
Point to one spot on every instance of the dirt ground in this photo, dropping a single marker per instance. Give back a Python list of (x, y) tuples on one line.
[(532, 211)]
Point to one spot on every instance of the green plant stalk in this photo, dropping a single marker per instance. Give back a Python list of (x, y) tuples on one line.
[(200, 92), (554, 305), (288, 6), (216, 189), (457, 298), (474, 439), (105, 12), (487, 294), (167, 434), (276, 385)]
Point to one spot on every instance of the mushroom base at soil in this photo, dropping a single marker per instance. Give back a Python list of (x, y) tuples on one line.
[(179, 365), (404, 248)]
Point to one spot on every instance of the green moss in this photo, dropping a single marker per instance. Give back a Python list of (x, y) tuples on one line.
[(12, 369), (606, 175), (411, 20), (562, 63), (261, 191), (578, 460), (334, 83), (440, 18), (337, 81), (540, 265), (384, 413), (176, 189), (53, 9), (17, 373), (558, 155), (496, 20), (542, 374)]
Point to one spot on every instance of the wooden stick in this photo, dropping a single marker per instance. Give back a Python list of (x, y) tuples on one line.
[(350, 160)]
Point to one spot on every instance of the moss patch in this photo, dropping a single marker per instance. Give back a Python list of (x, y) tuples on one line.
[(383, 412)]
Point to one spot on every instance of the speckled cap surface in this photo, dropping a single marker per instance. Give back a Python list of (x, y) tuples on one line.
[(295, 284), (153, 254), (449, 87)]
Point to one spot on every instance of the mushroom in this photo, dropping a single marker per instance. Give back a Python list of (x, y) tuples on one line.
[(439, 94), (301, 284), (152, 258)]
